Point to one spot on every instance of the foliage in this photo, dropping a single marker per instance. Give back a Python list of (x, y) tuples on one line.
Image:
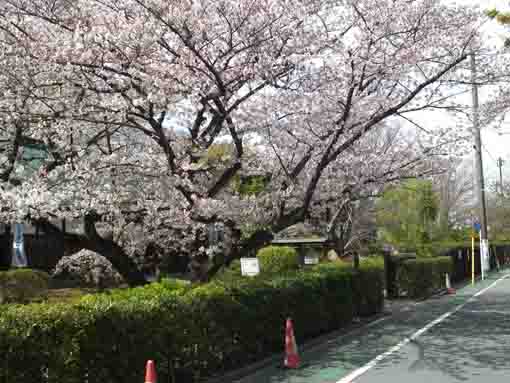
[(87, 269), (501, 17), (368, 282), (250, 185), (229, 273), (23, 285), (407, 214), (272, 260), (67, 295), (192, 334), (278, 259), (420, 277), (492, 13), (498, 214), (219, 153)]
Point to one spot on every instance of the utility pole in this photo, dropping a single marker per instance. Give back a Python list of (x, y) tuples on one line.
[(500, 166), (480, 185)]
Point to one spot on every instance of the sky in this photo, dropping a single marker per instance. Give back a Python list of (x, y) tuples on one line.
[(494, 144)]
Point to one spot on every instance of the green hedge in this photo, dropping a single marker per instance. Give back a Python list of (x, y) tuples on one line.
[(23, 285), (278, 259), (418, 278), (368, 284), (191, 333)]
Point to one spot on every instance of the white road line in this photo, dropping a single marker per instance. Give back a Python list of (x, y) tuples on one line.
[(362, 370), (498, 312)]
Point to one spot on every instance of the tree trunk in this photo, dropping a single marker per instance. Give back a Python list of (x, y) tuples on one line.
[(106, 247), (355, 261)]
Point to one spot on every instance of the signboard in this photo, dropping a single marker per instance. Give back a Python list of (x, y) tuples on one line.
[(311, 260), (18, 257), (477, 226), (484, 252), (250, 267)]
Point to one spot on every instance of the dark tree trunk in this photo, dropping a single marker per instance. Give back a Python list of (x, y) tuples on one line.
[(355, 261), (106, 247)]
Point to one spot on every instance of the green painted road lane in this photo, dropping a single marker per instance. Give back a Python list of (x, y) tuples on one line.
[(330, 362)]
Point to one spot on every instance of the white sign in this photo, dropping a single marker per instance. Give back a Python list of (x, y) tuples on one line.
[(250, 266), (485, 254), (311, 260)]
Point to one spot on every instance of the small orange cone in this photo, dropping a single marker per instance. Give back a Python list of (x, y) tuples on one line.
[(291, 351), (150, 372), (449, 289)]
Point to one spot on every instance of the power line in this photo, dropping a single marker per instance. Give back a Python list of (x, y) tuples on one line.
[(489, 153)]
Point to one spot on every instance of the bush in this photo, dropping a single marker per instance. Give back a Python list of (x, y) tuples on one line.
[(369, 286), (192, 334), (418, 278), (367, 283), (87, 269), (278, 259), (231, 273), (23, 285)]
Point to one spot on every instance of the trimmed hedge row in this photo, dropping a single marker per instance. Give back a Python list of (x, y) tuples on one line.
[(418, 278), (192, 333), (23, 285)]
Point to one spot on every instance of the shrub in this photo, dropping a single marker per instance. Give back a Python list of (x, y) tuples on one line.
[(191, 333), (272, 259), (369, 286), (87, 269), (367, 283), (23, 285), (420, 277), (278, 259), (230, 273)]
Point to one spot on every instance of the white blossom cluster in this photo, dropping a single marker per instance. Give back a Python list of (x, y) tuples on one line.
[(319, 86)]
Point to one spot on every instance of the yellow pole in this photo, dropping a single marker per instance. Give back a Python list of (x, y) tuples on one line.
[(472, 259)]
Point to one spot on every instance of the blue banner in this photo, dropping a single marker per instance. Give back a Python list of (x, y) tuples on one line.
[(18, 257)]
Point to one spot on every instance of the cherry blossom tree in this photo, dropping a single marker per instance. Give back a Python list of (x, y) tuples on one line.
[(131, 96)]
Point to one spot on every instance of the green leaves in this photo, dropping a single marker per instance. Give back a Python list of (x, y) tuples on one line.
[(407, 214), (492, 13), (278, 259), (23, 285), (419, 278)]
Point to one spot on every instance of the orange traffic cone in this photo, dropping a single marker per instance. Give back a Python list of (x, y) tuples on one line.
[(291, 351), (449, 288), (150, 372)]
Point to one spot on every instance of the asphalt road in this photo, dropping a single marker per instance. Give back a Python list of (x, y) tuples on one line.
[(458, 338)]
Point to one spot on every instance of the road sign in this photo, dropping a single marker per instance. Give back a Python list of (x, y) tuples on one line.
[(477, 226), (311, 260)]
